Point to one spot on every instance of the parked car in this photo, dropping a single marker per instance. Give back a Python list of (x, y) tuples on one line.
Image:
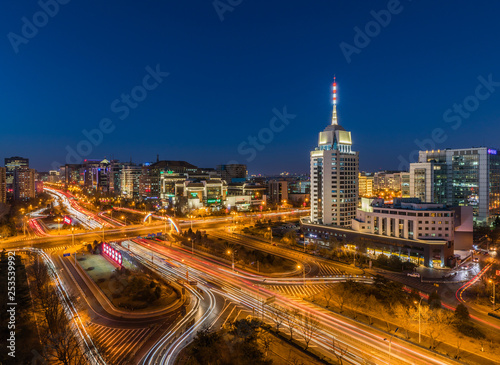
[(475, 259)]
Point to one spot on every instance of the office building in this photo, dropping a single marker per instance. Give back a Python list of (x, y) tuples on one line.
[(203, 193), (232, 172), (365, 184), (278, 191), (11, 164), (129, 181), (334, 175), (96, 174), (459, 177), (24, 183), (405, 218), (395, 181), (3, 186)]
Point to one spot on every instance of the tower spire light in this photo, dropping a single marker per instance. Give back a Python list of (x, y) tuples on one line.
[(334, 96)]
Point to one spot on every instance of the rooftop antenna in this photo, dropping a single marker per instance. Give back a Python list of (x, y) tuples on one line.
[(334, 99)]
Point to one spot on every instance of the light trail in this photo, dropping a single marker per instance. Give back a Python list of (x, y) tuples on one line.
[(86, 218), (250, 295), (86, 344)]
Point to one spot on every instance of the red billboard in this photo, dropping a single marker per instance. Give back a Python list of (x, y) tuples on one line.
[(113, 254), (67, 220)]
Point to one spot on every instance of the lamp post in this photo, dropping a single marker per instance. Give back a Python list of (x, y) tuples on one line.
[(229, 252), (390, 344), (73, 239), (303, 272), (419, 332), (103, 233), (493, 282), (270, 230)]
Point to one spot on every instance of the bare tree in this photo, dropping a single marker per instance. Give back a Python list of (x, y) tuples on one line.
[(356, 301), (278, 315), (371, 308), (438, 321), (405, 316), (339, 350), (459, 348), (267, 340), (292, 317), (340, 295), (309, 325), (327, 296)]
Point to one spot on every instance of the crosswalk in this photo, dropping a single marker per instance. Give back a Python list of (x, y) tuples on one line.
[(56, 248), (121, 344), (327, 270), (300, 291)]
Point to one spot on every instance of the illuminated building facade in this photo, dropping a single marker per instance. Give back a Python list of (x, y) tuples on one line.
[(460, 177), (3, 186), (365, 184), (24, 183), (334, 175), (11, 164)]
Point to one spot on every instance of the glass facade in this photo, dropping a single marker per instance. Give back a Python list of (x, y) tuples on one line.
[(494, 184), (465, 179)]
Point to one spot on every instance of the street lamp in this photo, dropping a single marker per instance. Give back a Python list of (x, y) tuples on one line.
[(419, 332), (270, 230), (124, 218), (493, 282), (390, 344), (303, 272), (229, 252)]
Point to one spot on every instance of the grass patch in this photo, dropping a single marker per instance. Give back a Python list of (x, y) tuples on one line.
[(127, 289)]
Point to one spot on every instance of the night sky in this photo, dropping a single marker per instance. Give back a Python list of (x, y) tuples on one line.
[(231, 71)]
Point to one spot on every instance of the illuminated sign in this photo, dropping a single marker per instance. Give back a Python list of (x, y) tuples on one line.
[(492, 151), (112, 253), (67, 220)]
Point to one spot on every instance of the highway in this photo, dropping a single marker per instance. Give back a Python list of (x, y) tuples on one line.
[(216, 279), (217, 284)]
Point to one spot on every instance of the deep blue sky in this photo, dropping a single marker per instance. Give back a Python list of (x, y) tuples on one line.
[(227, 76)]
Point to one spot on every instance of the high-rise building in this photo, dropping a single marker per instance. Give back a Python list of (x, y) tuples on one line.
[(24, 183), (459, 177), (278, 191), (3, 186), (129, 181), (232, 172), (11, 164), (334, 175), (365, 184), (96, 174), (392, 180)]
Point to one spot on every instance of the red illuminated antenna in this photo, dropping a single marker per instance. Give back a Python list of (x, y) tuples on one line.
[(334, 97)]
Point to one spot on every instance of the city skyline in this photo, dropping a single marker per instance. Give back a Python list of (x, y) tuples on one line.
[(205, 91)]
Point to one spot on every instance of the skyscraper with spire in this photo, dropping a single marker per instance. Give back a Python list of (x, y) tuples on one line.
[(334, 174)]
